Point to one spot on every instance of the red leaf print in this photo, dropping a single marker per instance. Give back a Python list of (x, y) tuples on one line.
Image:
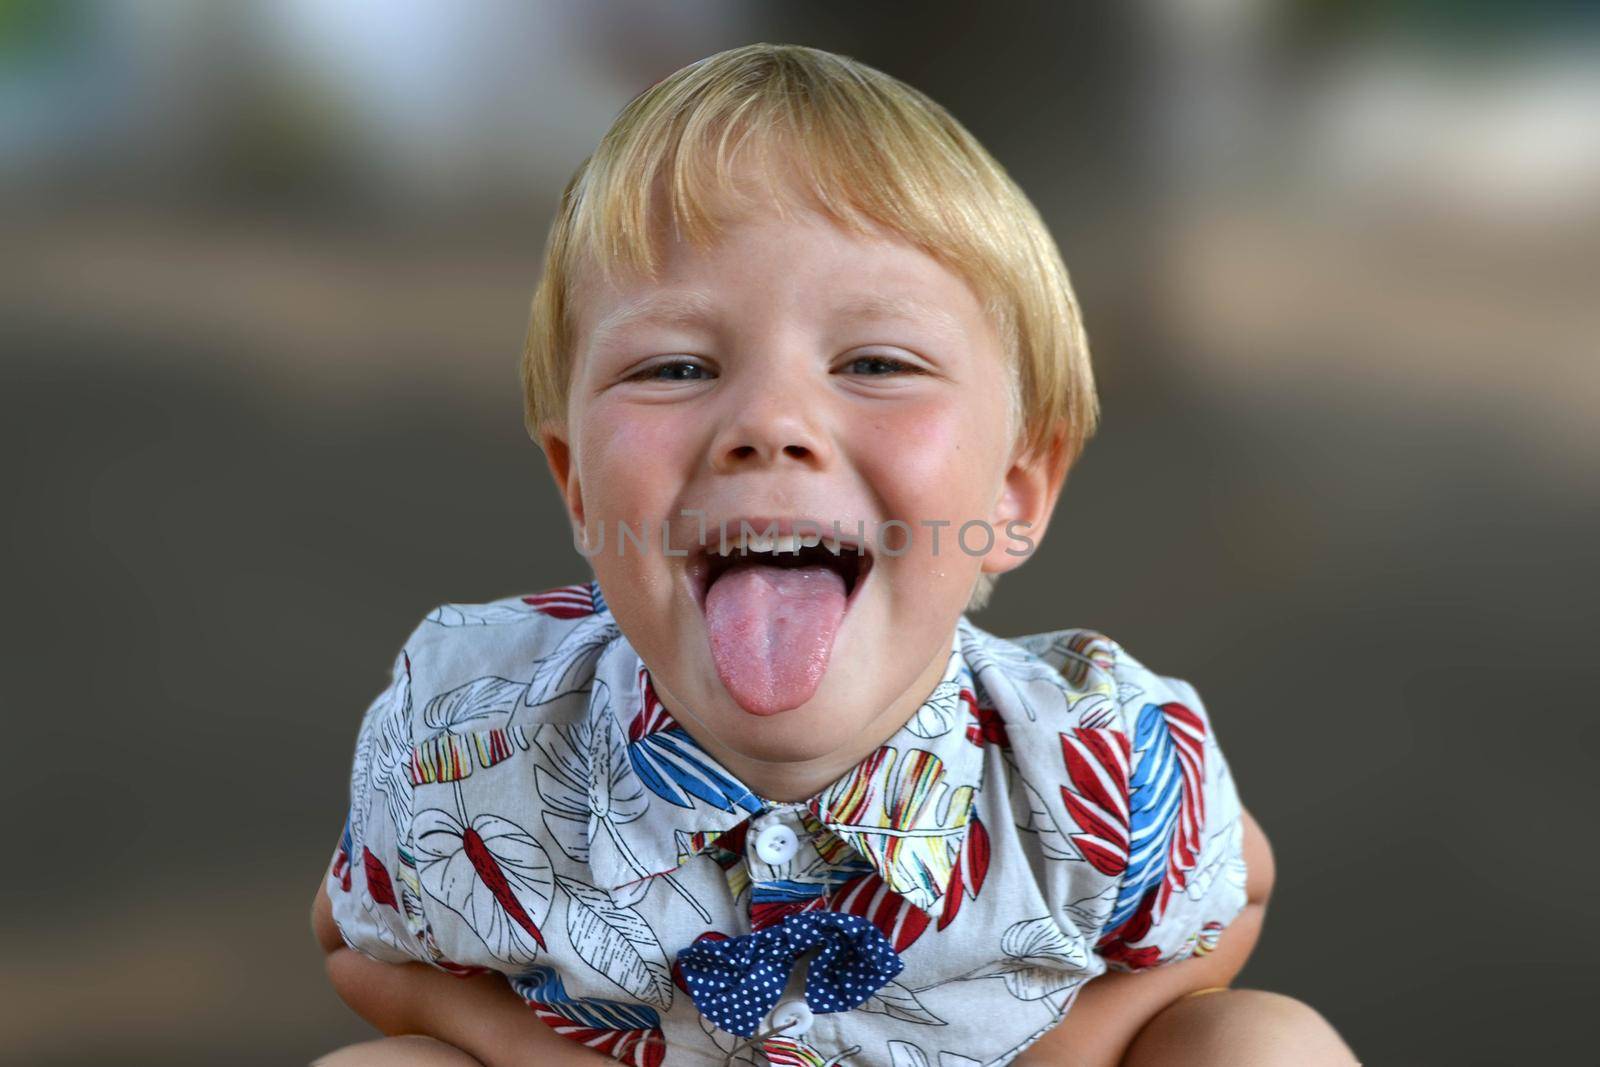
[(727, 848), (341, 869), (788, 1052), (987, 727), (1097, 764), (483, 862), (952, 899), (564, 602), (1187, 732), (379, 888), (771, 913), (642, 1048), (972, 866), (460, 970), (652, 716), (1117, 944), (870, 897)]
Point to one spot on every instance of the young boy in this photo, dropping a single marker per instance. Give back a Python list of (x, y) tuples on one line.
[(809, 374)]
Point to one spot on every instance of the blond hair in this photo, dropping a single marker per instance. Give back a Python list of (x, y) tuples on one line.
[(874, 153)]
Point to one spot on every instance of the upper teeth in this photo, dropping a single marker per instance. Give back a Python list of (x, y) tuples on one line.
[(756, 542)]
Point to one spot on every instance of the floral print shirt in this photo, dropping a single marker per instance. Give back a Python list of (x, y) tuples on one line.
[(522, 802)]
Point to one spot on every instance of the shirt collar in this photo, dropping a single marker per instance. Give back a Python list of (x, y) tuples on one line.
[(905, 808)]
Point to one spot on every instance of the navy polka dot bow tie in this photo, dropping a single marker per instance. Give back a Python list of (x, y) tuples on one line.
[(735, 982)]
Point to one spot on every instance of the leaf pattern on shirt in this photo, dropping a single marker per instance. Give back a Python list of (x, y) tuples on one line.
[(630, 1033), (1009, 674), (1039, 960), (1166, 806), (1167, 816), (1096, 798), (566, 800), (1040, 942), (896, 808), (471, 727), (899, 1001), (969, 868), (577, 755), (906, 1054), (562, 602), (940, 713), (570, 667), (591, 785), (391, 750), (794, 1052), (492, 873), (1084, 658), (870, 897), (619, 793), (673, 765), (617, 942), (1038, 821)]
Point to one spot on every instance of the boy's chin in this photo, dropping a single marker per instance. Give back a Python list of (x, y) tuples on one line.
[(764, 719), (830, 721), (797, 736)]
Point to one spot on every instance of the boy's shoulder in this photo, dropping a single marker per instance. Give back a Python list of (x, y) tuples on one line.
[(1110, 762), (547, 610), (1072, 678), (493, 666)]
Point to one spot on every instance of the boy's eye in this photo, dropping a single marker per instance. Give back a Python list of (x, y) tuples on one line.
[(677, 370), (875, 366)]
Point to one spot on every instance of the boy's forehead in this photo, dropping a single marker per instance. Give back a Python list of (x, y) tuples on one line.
[(603, 305), (681, 262)]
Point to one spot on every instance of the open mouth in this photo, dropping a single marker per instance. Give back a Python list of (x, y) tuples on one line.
[(773, 604), (850, 561)]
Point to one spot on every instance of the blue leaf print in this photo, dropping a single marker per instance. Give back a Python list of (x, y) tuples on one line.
[(785, 889), (543, 985), (672, 765), (1155, 793)]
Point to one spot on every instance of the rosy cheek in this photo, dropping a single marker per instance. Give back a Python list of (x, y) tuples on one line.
[(925, 452), (630, 457), (625, 435)]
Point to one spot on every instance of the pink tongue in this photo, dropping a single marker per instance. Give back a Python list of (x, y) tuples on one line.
[(772, 631)]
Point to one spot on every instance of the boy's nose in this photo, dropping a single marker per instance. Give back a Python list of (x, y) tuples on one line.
[(767, 432)]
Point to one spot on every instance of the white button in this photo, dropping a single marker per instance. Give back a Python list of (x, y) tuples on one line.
[(776, 844), (793, 1017)]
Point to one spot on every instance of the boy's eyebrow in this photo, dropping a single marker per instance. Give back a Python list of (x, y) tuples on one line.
[(878, 306), (680, 308), (688, 307)]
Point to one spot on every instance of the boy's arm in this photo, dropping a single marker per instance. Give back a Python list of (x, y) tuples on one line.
[(481, 1015), (1112, 1009)]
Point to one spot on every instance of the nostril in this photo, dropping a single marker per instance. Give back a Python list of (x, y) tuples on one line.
[(742, 453)]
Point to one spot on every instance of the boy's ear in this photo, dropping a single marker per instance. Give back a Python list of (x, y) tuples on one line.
[(558, 455), (1027, 498)]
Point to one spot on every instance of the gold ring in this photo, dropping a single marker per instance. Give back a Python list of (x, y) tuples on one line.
[(1203, 992)]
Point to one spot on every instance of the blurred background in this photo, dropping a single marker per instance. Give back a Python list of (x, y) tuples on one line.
[(265, 277)]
